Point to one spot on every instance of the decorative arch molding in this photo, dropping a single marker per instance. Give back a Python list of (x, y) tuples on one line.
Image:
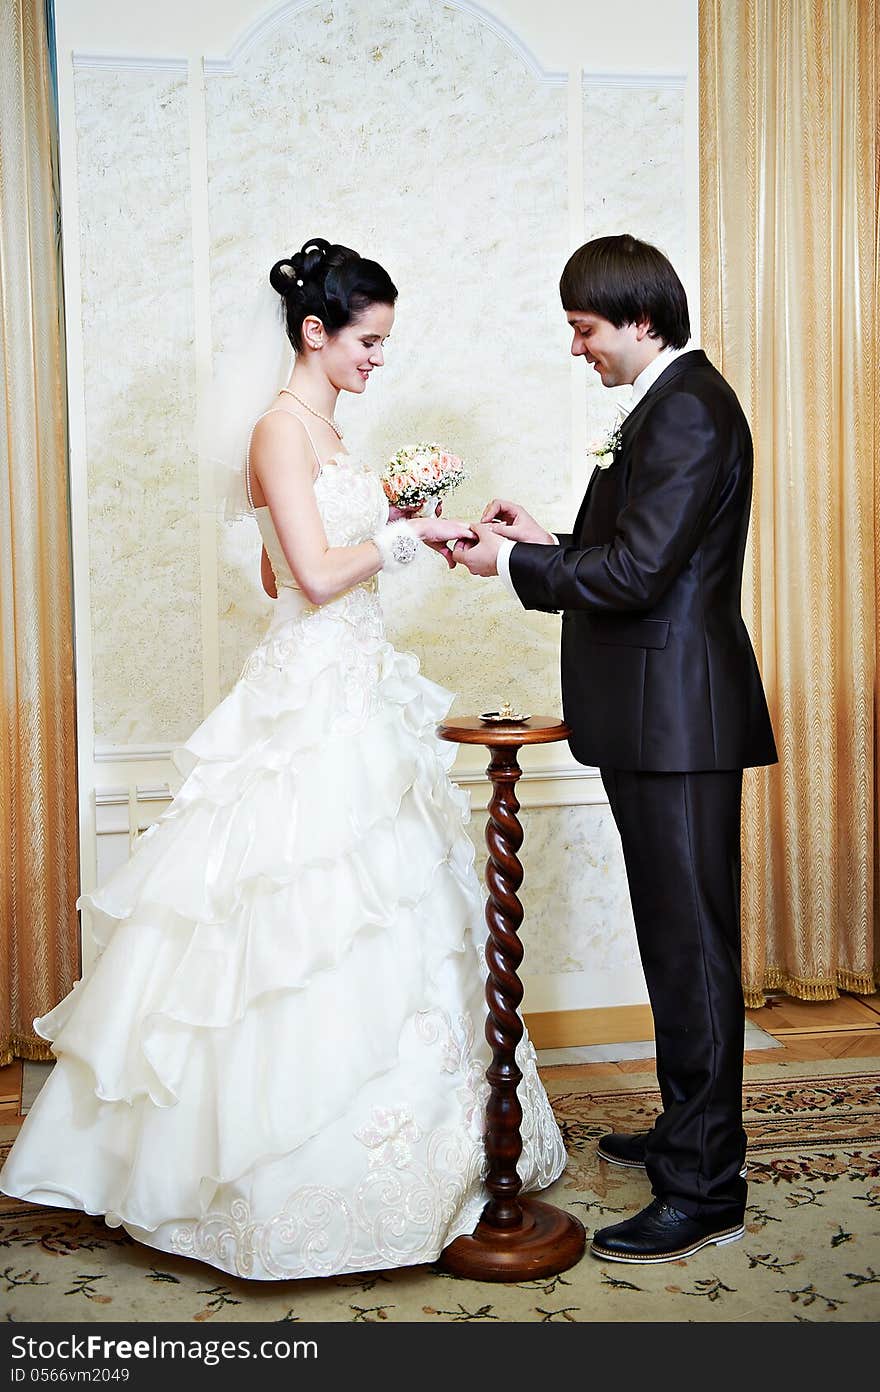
[(263, 28), (658, 80), (130, 62)]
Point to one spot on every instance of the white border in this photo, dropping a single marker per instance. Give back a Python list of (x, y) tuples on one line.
[(201, 290), (77, 455), (540, 785), (634, 79), (129, 61)]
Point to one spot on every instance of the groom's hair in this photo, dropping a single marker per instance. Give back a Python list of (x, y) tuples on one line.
[(627, 281)]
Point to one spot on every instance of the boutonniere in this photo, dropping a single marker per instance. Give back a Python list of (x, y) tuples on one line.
[(601, 452)]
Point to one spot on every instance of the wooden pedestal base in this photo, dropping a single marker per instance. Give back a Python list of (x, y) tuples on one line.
[(546, 1242), (516, 1239)]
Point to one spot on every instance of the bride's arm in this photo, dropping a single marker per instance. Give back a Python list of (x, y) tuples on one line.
[(284, 470)]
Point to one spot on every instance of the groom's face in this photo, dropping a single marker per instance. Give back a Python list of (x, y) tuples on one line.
[(615, 354)]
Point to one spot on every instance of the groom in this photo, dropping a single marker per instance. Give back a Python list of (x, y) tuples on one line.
[(662, 692)]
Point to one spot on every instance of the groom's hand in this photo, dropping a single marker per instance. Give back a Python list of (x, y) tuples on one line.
[(513, 522), (480, 557)]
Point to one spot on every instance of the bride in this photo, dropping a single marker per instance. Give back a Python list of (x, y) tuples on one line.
[(277, 1062)]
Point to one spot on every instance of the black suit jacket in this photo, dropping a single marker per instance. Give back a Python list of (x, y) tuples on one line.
[(658, 671)]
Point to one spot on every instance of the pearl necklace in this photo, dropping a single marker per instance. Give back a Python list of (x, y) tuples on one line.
[(332, 424)]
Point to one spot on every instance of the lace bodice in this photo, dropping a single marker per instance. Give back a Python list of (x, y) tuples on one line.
[(352, 506)]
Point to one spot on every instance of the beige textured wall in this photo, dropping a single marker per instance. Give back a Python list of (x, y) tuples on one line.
[(139, 380), (469, 149), (410, 132)]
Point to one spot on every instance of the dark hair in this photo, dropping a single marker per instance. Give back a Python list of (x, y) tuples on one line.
[(331, 282), (627, 281)]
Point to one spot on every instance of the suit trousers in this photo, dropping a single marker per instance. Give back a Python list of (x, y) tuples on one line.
[(681, 844)]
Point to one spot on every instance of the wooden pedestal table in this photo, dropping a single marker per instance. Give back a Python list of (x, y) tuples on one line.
[(515, 1239)]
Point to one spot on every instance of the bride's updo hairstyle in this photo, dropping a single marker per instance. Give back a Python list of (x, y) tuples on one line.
[(333, 283)]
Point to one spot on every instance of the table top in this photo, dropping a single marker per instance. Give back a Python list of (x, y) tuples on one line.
[(470, 729)]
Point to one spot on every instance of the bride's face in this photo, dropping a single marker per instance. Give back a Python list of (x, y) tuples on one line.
[(354, 352)]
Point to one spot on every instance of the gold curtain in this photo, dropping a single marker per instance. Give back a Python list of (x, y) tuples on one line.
[(789, 257), (39, 944)]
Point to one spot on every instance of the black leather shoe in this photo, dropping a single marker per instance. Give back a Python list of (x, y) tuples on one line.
[(629, 1149), (624, 1148), (660, 1234)]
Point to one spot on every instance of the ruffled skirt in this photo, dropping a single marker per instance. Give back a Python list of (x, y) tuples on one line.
[(277, 1062)]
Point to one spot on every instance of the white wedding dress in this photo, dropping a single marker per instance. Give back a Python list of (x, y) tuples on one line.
[(277, 1062)]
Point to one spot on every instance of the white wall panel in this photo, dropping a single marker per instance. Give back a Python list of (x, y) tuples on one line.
[(139, 388)]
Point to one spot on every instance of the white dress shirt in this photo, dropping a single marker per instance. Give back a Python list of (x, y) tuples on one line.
[(646, 378)]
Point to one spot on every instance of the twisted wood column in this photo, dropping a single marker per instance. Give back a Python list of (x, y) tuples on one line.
[(504, 992), (516, 1238)]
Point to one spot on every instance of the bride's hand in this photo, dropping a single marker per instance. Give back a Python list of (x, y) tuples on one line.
[(437, 533), (512, 521)]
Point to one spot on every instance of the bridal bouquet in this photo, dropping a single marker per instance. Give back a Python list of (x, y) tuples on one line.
[(420, 472)]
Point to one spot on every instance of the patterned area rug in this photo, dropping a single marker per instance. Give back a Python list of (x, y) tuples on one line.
[(811, 1250)]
